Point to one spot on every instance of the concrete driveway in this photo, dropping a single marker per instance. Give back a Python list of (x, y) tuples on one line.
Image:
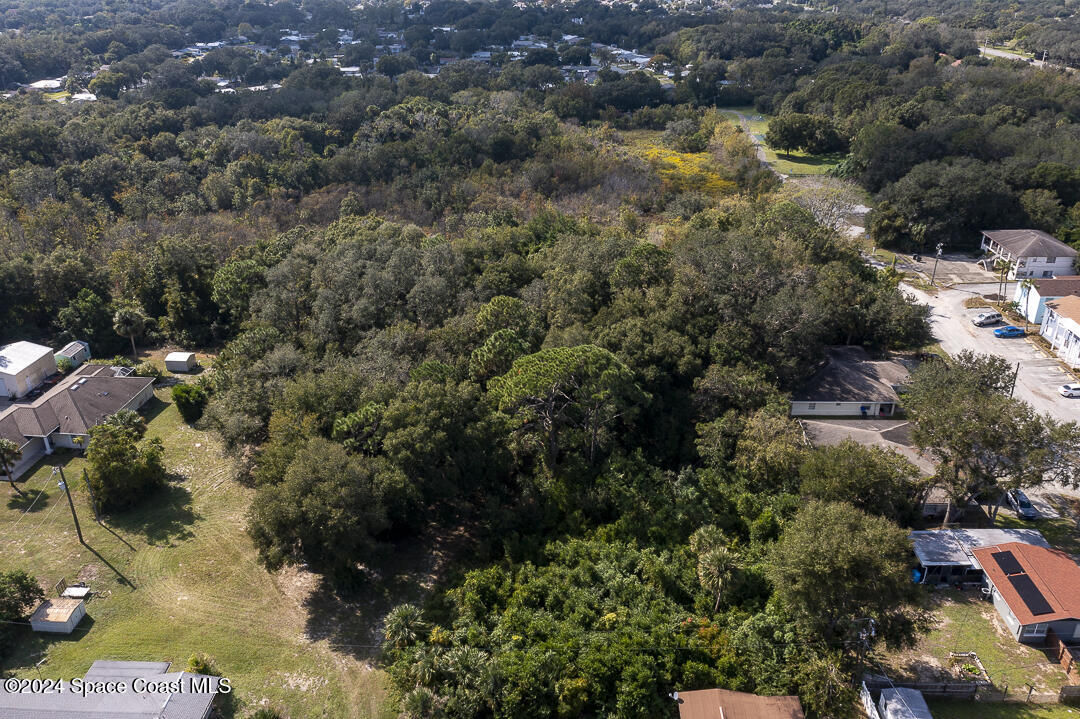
[(952, 269), (1039, 375)]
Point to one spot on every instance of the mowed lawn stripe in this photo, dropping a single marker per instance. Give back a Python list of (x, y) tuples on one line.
[(195, 584)]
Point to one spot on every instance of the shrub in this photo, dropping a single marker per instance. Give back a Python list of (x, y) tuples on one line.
[(190, 400), (64, 365), (201, 664), (122, 471), (148, 369)]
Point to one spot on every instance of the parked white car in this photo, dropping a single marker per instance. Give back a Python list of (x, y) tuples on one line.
[(1069, 390)]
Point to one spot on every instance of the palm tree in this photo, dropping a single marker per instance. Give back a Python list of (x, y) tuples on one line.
[(9, 455), (716, 562), (129, 322), (404, 625), (1001, 265), (1027, 285)]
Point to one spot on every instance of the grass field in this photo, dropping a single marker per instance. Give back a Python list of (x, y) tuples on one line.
[(178, 576), (951, 709), (794, 163), (965, 623)]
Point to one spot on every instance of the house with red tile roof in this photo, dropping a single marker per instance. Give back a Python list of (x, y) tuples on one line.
[(1034, 589)]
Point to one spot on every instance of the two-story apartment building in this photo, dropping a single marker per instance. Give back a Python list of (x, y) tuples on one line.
[(1030, 253), (1061, 328), (1031, 296)]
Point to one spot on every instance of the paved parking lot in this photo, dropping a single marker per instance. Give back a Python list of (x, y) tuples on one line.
[(1039, 375), (952, 269)]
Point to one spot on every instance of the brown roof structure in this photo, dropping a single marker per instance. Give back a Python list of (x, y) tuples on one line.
[(1067, 307), (727, 704), (1030, 243), (849, 375), (1053, 574), (1058, 286), (55, 610)]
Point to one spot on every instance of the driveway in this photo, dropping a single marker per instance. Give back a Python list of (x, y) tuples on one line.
[(1039, 375)]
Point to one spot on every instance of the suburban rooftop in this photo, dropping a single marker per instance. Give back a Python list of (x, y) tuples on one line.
[(1067, 307), (17, 356), (1030, 243), (849, 375), (1054, 573), (954, 546)]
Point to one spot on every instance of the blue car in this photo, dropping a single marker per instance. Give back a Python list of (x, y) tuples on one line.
[(1010, 331)]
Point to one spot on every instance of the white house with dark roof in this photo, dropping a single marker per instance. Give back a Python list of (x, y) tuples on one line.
[(1030, 253), (850, 384), (63, 416)]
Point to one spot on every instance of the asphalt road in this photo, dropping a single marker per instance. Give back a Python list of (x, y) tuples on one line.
[(1039, 375)]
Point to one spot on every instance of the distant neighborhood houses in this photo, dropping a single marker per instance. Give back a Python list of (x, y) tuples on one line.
[(64, 413)]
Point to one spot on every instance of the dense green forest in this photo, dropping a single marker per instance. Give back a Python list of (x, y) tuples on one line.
[(560, 317)]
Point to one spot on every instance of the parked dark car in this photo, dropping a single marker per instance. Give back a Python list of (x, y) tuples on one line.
[(1021, 504)]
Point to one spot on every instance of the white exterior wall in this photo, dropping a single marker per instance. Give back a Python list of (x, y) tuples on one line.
[(141, 398), (1063, 334), (1032, 304), (68, 440), (18, 385), (840, 409), (61, 627), (1043, 267), (31, 453), (1003, 609)]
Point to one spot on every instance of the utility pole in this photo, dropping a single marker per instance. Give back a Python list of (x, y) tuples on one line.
[(937, 258), (1016, 374), (63, 485), (93, 499)]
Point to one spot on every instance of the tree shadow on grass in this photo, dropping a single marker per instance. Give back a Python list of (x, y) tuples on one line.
[(32, 501), (407, 571), (163, 519), (152, 408)]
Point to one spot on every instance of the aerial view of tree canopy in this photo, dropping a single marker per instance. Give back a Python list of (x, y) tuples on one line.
[(512, 277)]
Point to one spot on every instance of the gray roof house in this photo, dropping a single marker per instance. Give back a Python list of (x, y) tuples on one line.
[(151, 692), (903, 703), (946, 556), (1029, 253), (851, 384), (63, 416)]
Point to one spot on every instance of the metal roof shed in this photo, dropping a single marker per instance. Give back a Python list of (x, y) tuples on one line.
[(180, 361), (903, 703)]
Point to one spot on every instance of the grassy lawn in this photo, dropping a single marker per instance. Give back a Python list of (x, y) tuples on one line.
[(952, 709), (800, 163), (966, 623), (794, 163), (179, 576)]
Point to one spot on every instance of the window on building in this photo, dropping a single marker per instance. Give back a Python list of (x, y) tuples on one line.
[(1048, 273), (811, 405)]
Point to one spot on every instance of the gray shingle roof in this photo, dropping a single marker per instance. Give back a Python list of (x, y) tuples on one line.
[(190, 702), (1030, 243), (849, 375)]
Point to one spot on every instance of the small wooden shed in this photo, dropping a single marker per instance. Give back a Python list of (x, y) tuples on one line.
[(58, 616), (180, 361)]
